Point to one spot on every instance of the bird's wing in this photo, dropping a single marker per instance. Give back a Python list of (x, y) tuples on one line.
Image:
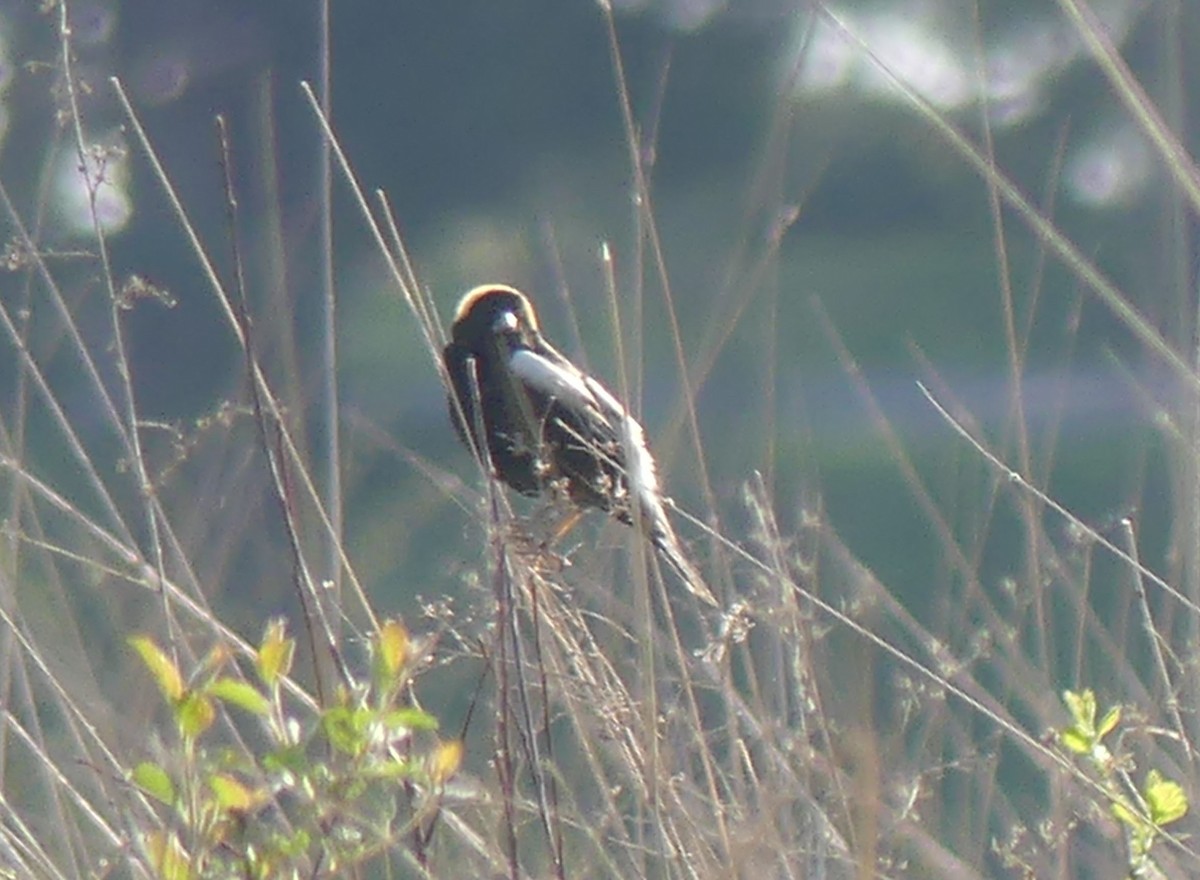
[(556, 379), (595, 406), (592, 413)]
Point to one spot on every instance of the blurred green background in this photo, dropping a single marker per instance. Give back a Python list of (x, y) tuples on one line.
[(797, 194)]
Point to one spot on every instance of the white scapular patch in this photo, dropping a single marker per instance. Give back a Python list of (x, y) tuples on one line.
[(543, 375), (577, 391)]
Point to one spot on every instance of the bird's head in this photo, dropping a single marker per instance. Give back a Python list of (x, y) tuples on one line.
[(495, 315)]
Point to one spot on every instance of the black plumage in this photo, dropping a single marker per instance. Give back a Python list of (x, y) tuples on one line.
[(549, 428)]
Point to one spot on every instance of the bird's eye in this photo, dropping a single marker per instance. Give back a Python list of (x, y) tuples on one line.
[(506, 322)]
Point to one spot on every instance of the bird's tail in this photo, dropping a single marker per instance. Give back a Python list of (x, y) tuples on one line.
[(667, 545)]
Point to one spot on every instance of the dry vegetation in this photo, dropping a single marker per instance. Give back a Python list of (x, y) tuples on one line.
[(817, 727)]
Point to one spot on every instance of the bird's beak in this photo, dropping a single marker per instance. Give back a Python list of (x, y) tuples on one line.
[(506, 322)]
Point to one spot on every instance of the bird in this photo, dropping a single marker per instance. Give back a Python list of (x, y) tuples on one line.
[(549, 429)]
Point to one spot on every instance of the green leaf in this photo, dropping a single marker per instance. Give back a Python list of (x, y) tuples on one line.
[(232, 796), (1127, 815), (1166, 799), (275, 653), (162, 668), (345, 728), (154, 781), (291, 759), (1082, 706), (391, 651), (409, 719), (194, 714), (1109, 722), (445, 761), (1074, 741), (167, 856), (240, 694), (293, 845)]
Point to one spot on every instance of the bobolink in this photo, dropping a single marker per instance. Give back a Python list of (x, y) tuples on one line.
[(550, 427)]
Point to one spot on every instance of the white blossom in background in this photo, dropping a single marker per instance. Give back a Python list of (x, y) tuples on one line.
[(931, 47), (1110, 169), (106, 174), (918, 49)]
